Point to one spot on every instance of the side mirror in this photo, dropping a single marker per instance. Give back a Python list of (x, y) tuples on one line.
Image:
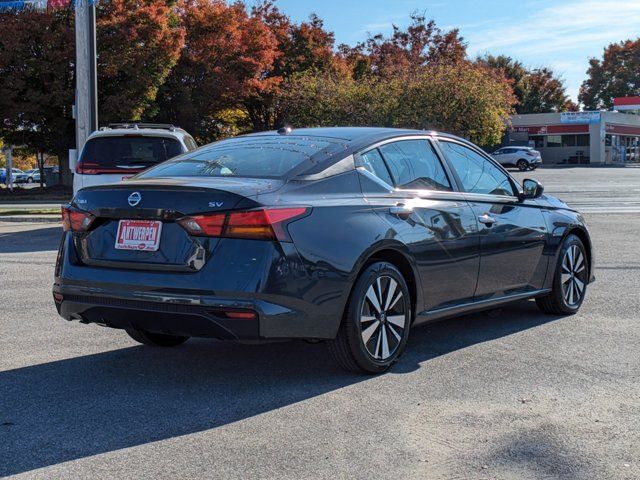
[(531, 189)]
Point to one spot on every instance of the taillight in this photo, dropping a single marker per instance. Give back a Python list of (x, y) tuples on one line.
[(263, 224), (531, 154), (76, 220)]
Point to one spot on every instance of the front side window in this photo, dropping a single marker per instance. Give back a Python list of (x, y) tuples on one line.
[(415, 165), (477, 174)]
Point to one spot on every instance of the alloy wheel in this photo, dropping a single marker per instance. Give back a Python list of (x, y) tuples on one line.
[(573, 276), (383, 318)]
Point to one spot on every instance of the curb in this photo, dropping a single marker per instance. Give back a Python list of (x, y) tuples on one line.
[(31, 219)]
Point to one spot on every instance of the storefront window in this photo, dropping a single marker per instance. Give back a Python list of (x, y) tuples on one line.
[(582, 140), (554, 140), (568, 140), (538, 141)]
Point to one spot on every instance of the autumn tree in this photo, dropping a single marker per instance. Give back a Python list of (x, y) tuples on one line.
[(227, 52), (616, 75), (138, 42), (421, 44), (301, 47), (537, 90)]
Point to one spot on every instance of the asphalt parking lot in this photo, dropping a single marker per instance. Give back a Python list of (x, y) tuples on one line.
[(507, 396)]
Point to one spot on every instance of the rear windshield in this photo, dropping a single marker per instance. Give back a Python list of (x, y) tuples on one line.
[(254, 156), (129, 151)]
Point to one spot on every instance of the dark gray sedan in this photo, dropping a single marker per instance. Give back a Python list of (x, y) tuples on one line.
[(346, 235)]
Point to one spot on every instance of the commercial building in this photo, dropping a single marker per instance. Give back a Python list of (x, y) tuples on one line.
[(600, 137)]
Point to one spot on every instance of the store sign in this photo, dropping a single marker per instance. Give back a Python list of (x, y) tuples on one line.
[(626, 103), (579, 117)]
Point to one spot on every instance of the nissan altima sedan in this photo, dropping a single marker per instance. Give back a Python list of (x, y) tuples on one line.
[(347, 235)]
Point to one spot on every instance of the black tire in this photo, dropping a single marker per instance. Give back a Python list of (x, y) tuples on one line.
[(522, 165), (156, 339), (386, 339), (566, 296), (29, 179)]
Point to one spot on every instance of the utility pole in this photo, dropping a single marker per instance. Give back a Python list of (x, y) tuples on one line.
[(86, 108)]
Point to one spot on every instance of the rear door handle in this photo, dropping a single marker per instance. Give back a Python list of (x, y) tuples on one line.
[(486, 219), (401, 210)]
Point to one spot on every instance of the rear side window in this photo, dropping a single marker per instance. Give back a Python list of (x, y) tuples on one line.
[(190, 143), (128, 152), (477, 174), (260, 156), (373, 162), (415, 165)]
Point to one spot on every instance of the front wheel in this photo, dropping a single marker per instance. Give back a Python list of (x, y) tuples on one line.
[(375, 327), (29, 179), (522, 165), (569, 281), (155, 339)]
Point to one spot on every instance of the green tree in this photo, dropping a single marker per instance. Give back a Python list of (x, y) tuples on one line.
[(36, 81), (462, 98), (616, 75)]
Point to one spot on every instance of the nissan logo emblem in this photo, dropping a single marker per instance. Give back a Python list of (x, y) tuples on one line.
[(134, 199)]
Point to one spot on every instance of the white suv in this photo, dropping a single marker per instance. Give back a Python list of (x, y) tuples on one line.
[(119, 151), (524, 158)]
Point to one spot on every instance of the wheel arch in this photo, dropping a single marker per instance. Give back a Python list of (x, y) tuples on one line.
[(586, 241), (397, 255)]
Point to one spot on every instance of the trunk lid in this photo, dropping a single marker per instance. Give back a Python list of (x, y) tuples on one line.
[(165, 201)]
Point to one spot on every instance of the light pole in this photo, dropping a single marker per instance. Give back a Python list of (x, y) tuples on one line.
[(86, 107)]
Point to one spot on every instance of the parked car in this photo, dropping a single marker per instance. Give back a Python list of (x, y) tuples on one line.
[(14, 173), (119, 151), (28, 176), (525, 158), (348, 235)]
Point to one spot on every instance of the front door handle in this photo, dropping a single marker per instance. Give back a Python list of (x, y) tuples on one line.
[(487, 219), (401, 210)]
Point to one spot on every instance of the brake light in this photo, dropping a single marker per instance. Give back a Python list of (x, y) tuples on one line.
[(89, 168), (263, 224), (76, 220), (531, 154)]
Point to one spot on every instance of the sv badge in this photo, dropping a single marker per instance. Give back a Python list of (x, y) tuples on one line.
[(216, 204)]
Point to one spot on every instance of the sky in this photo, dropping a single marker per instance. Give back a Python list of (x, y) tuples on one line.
[(561, 34)]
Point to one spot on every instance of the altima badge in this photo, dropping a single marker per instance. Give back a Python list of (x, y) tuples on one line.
[(134, 199)]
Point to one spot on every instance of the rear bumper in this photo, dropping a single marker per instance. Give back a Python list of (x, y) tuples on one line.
[(201, 316), (268, 279)]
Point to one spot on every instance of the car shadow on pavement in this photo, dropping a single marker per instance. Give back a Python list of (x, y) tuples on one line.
[(78, 407), (29, 241)]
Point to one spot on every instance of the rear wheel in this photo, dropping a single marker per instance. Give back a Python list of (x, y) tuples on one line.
[(522, 165), (569, 281), (375, 327), (29, 179), (156, 339)]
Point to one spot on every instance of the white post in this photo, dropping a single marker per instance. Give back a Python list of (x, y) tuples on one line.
[(86, 108), (9, 166)]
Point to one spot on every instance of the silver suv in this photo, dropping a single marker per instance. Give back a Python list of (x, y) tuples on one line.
[(119, 151), (525, 158)]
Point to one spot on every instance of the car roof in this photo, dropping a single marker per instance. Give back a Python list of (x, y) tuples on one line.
[(356, 136), (148, 132)]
